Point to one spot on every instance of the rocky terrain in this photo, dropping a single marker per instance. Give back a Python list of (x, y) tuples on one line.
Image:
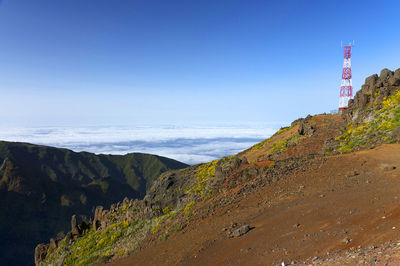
[(320, 191), (41, 187)]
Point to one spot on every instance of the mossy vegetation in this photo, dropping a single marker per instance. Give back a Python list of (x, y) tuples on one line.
[(270, 165), (386, 120), (282, 130), (96, 246), (204, 173), (283, 144), (259, 145), (266, 141), (280, 145)]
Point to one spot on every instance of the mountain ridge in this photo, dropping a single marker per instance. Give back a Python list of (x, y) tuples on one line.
[(41, 187)]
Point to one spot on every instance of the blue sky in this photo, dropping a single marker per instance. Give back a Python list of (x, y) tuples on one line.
[(120, 62)]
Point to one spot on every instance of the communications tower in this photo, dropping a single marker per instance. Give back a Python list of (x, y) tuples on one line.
[(346, 88)]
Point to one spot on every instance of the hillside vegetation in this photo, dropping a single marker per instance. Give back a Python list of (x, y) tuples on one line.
[(42, 187)]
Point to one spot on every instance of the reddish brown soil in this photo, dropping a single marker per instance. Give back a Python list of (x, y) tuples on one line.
[(304, 214)]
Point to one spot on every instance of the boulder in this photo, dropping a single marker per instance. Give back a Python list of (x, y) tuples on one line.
[(305, 127), (241, 231), (235, 163)]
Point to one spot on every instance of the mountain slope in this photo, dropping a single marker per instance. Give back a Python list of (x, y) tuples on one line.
[(42, 187), (303, 214), (295, 195)]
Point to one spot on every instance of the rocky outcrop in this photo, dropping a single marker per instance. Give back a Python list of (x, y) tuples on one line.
[(40, 252), (128, 210), (374, 90), (98, 217), (305, 126)]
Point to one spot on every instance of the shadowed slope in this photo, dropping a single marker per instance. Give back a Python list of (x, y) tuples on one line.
[(41, 187)]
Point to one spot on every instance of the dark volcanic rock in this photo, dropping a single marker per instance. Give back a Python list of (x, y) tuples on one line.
[(305, 127), (241, 231)]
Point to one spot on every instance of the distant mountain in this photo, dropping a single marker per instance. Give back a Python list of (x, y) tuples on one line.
[(42, 187)]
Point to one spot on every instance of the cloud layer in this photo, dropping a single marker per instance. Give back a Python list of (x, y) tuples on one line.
[(189, 144)]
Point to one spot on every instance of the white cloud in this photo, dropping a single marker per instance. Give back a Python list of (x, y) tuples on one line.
[(190, 144)]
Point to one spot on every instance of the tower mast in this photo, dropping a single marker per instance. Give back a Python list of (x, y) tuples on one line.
[(346, 88)]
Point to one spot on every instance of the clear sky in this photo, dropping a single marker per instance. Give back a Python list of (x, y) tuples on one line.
[(84, 62)]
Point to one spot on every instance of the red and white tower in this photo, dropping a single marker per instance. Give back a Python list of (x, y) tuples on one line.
[(346, 88)]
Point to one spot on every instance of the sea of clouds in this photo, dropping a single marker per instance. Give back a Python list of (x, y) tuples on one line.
[(190, 144)]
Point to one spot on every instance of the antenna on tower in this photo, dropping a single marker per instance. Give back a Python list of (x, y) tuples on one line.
[(346, 88)]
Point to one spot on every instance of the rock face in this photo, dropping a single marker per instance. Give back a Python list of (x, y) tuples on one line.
[(372, 94)]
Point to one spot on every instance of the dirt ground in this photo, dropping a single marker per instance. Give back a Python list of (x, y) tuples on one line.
[(342, 203)]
